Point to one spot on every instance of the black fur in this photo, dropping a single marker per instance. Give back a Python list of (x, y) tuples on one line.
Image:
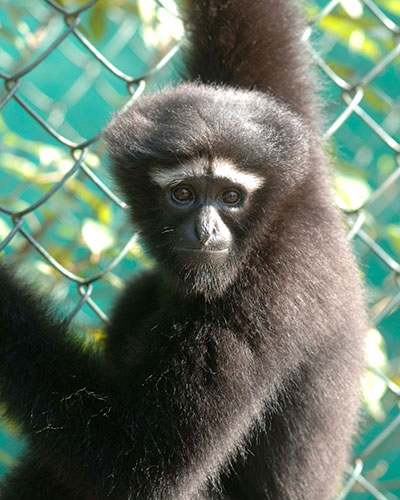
[(221, 380)]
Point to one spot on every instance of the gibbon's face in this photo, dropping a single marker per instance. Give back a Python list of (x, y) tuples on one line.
[(201, 201), (204, 205), (205, 171)]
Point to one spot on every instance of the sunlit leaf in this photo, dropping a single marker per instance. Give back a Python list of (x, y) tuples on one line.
[(146, 10), (393, 231), (92, 160), (344, 27), (386, 164), (104, 213), (373, 387), (139, 254), (354, 8), (169, 26), (375, 101), (392, 6), (50, 154), (172, 25), (84, 194), (5, 229), (44, 268), (18, 165), (351, 192), (97, 21), (97, 236)]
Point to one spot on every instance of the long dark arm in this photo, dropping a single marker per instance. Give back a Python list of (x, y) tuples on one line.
[(37, 351), (254, 44), (125, 437)]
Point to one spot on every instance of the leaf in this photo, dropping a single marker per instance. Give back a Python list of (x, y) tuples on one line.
[(82, 192), (139, 255), (92, 160), (386, 164), (354, 8), (172, 25), (5, 229), (344, 28), (373, 387), (104, 213), (97, 22), (351, 192), (96, 236), (19, 165), (50, 154), (392, 6), (393, 232), (375, 101)]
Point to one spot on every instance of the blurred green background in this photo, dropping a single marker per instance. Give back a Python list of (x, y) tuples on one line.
[(122, 48)]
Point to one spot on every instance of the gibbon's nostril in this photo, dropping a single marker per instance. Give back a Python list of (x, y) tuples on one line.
[(204, 230)]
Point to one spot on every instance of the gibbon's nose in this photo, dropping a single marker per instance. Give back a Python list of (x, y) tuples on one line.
[(211, 230), (205, 225)]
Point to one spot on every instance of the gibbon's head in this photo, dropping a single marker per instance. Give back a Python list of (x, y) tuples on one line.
[(206, 171)]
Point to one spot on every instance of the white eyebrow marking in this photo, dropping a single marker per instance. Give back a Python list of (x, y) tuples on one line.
[(226, 170), (165, 177), (220, 168)]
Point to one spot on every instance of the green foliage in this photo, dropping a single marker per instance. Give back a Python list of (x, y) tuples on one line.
[(351, 187)]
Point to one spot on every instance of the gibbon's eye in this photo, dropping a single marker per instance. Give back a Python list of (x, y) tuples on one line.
[(182, 194), (231, 197)]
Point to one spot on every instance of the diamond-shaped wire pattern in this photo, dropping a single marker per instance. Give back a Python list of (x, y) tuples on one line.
[(60, 215)]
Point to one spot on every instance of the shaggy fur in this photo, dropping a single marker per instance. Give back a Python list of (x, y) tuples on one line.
[(233, 379)]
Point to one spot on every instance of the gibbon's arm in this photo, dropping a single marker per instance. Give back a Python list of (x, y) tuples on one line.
[(253, 44), (163, 438), (42, 366)]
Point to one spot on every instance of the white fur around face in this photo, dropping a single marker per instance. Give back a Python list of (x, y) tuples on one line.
[(168, 177), (226, 170), (219, 168)]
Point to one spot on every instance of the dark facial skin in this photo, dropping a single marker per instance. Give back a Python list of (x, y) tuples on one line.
[(202, 211)]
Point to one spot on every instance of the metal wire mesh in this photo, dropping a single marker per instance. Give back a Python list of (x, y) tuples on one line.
[(348, 103)]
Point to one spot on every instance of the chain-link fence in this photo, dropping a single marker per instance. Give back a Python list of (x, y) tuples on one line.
[(65, 65)]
